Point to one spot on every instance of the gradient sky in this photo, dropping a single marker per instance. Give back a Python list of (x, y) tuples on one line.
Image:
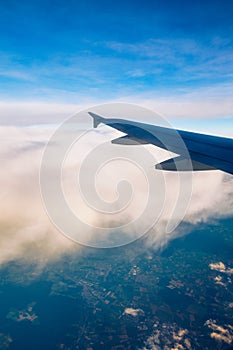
[(95, 51)]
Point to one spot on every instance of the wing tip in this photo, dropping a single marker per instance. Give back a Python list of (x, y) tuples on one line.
[(96, 119)]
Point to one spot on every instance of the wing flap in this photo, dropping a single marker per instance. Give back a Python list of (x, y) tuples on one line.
[(182, 164), (129, 141)]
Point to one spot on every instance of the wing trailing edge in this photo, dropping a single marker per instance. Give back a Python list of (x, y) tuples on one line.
[(182, 164), (126, 140)]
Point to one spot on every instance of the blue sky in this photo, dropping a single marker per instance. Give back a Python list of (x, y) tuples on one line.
[(81, 51)]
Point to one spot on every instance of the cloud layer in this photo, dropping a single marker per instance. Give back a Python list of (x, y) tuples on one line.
[(26, 231), (184, 109)]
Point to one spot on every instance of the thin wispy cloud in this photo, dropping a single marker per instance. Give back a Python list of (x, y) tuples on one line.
[(18, 75), (182, 58)]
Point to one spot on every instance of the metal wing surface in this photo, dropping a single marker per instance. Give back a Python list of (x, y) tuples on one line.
[(205, 152)]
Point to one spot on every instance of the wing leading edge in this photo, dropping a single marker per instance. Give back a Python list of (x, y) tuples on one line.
[(205, 152)]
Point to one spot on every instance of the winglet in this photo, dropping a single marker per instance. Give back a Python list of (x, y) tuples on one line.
[(96, 119)]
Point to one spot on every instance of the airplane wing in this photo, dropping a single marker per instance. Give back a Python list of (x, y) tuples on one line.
[(205, 152)]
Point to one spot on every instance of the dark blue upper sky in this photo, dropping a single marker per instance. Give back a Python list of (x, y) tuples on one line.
[(108, 49)]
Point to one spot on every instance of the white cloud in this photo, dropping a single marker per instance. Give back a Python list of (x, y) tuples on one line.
[(16, 74), (34, 112), (190, 60), (167, 336), (25, 228), (220, 333), (133, 312), (190, 110), (221, 267)]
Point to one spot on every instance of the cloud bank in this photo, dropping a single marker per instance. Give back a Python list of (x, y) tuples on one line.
[(184, 108), (26, 231)]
